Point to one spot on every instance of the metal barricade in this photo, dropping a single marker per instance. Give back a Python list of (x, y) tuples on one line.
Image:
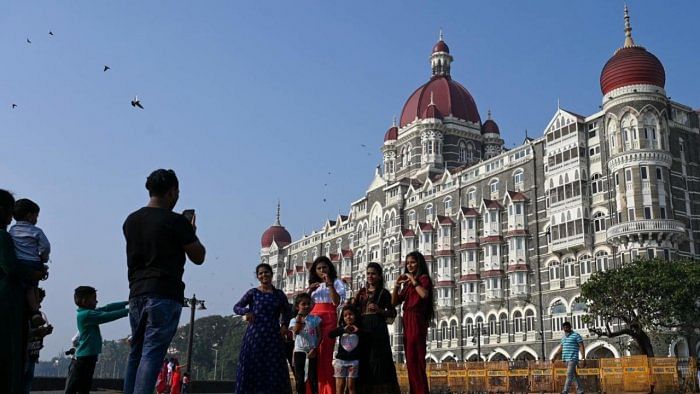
[(518, 374), (457, 377), (476, 376), (541, 376), (611, 375), (664, 375), (687, 375), (402, 375), (636, 374), (589, 375), (497, 377), (437, 378)]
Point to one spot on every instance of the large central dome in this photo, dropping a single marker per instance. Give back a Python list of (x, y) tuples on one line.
[(449, 96)]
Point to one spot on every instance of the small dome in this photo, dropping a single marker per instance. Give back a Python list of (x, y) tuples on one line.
[(275, 233), (441, 46), (490, 127), (392, 134), (632, 65)]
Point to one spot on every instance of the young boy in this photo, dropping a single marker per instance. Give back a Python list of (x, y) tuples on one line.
[(306, 336), (90, 343), (32, 248)]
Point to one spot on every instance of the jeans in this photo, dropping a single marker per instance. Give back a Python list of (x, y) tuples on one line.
[(80, 380), (571, 377), (29, 376), (153, 324)]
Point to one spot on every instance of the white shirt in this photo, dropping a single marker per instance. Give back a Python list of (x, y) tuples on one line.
[(322, 294)]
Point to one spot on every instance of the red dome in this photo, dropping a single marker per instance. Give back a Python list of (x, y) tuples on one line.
[(432, 112), (490, 127), (392, 134), (440, 46), (632, 65), (449, 97), (277, 233)]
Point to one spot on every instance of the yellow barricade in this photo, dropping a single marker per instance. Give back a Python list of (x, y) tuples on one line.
[(497, 377), (476, 376), (611, 375), (402, 375), (635, 376), (437, 377), (664, 375), (457, 377), (541, 376)]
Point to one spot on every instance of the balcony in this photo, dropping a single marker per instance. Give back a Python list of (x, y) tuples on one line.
[(494, 294), (470, 299), (572, 243), (571, 282), (642, 230), (598, 198), (517, 290)]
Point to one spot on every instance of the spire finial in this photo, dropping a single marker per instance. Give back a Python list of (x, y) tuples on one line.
[(431, 98), (489, 114), (441, 36), (525, 133), (629, 42), (277, 218), (558, 104)]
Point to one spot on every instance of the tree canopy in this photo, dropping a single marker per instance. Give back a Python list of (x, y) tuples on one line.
[(648, 296)]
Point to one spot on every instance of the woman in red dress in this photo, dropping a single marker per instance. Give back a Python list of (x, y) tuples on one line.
[(415, 289), (327, 292)]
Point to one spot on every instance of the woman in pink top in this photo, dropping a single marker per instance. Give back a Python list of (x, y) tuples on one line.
[(327, 292)]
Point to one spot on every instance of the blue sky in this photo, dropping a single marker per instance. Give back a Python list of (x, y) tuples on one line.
[(254, 101)]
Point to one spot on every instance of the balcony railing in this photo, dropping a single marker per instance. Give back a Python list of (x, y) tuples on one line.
[(646, 226)]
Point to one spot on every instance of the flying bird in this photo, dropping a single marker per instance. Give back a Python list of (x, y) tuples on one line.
[(50, 33), (106, 68), (363, 145), (29, 41), (136, 102), (14, 106)]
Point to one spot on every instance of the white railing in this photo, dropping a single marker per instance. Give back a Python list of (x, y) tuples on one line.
[(598, 198), (492, 263), (555, 284), (494, 294), (518, 289), (470, 298), (570, 282), (492, 229), (567, 242), (645, 226)]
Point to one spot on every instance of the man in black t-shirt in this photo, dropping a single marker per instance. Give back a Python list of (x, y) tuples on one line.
[(157, 244)]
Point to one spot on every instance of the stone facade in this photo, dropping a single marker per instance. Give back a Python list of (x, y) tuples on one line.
[(509, 235)]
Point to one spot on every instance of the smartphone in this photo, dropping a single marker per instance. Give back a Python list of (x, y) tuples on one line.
[(189, 214)]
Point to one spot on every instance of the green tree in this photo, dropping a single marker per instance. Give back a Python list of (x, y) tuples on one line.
[(649, 296)]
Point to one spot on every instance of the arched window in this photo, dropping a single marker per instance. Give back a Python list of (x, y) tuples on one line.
[(447, 203), (493, 325), (629, 131), (585, 264), (601, 261), (554, 272), (650, 129), (493, 185), (518, 322), (530, 320), (518, 178), (462, 152), (599, 222), (453, 329), (429, 211), (406, 156), (470, 151), (612, 133), (503, 323), (469, 327), (596, 184), (569, 268)]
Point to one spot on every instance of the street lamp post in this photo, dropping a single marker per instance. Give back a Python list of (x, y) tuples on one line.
[(216, 359), (193, 303)]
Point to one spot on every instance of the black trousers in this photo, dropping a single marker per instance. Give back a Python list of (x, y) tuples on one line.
[(300, 361), (79, 380)]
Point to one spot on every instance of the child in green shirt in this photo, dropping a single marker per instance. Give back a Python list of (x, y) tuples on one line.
[(90, 345)]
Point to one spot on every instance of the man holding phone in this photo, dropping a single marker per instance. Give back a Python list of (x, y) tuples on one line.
[(157, 244)]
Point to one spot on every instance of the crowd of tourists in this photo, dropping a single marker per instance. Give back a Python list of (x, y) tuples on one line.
[(302, 337)]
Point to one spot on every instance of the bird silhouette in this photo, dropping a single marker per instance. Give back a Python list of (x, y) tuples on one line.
[(136, 102), (50, 33), (106, 68), (14, 106), (29, 41), (363, 145)]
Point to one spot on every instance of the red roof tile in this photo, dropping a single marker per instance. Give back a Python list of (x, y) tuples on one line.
[(517, 196), (408, 233), (491, 239), (513, 233), (446, 283), (469, 277), (492, 204), (347, 253), (445, 220), (518, 267), (470, 211), (426, 226), (469, 245), (444, 252), (492, 273), (334, 257)]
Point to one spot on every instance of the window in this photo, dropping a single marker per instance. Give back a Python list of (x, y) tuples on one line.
[(530, 320), (601, 261), (448, 204), (412, 217), (462, 151), (647, 212), (659, 177), (643, 171), (599, 222), (662, 212), (630, 214), (617, 179), (596, 184), (494, 186), (471, 195), (554, 273), (628, 175), (429, 211), (518, 325), (518, 177), (585, 264)]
